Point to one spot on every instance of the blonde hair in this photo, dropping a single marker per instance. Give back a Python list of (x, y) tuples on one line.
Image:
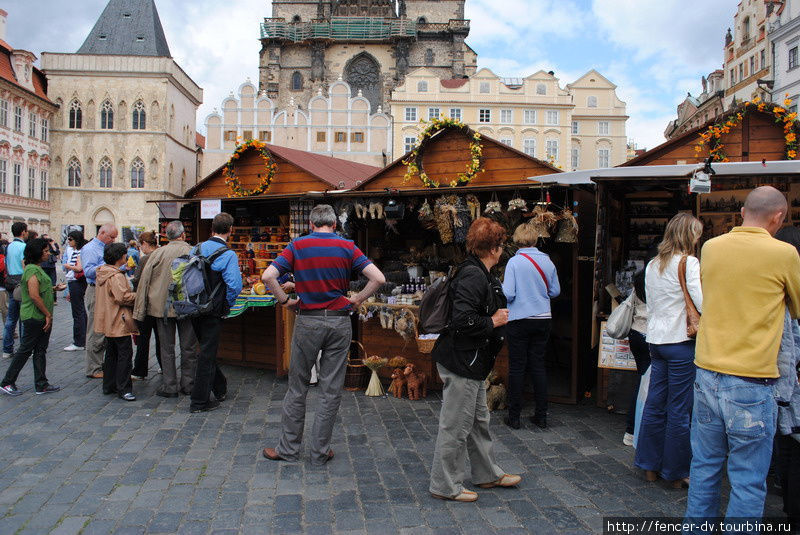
[(526, 235), (680, 237)]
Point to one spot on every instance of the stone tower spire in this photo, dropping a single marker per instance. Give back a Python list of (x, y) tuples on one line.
[(127, 28)]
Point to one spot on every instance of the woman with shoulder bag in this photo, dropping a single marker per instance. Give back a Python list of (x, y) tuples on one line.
[(672, 285), (464, 354), (76, 286), (148, 242)]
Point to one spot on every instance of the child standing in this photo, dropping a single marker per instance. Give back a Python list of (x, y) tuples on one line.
[(113, 318)]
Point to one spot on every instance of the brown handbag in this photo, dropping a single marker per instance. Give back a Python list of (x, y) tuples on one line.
[(692, 315)]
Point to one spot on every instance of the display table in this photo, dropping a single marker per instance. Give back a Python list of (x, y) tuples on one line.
[(253, 334)]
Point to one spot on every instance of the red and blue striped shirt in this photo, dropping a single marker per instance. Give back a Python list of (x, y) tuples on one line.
[(322, 263)]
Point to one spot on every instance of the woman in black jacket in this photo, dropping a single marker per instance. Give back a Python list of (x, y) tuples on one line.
[(465, 354)]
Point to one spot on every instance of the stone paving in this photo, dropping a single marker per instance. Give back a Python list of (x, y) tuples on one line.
[(80, 462)]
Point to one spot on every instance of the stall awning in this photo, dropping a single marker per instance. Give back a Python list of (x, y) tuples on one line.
[(668, 172)]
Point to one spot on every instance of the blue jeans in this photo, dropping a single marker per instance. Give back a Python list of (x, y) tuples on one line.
[(11, 325), (664, 435), (736, 419)]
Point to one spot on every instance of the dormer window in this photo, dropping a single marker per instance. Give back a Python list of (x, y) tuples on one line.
[(139, 38), (126, 15), (102, 37)]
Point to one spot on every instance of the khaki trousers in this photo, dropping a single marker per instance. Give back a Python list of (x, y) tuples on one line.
[(190, 348), (95, 342)]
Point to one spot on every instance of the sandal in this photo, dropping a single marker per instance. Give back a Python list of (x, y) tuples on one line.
[(507, 480), (466, 496)]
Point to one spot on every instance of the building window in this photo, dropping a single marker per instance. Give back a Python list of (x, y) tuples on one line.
[(411, 114), (31, 182), (506, 116), (422, 86), (322, 137), (230, 135), (793, 58), (139, 116), (75, 115), (247, 135), (484, 87), (552, 117), (604, 158), (733, 76), (137, 174), (17, 119), (74, 173), (591, 102), (507, 141), (746, 29), (741, 71), (3, 113), (45, 129), (32, 127), (340, 137), (17, 178), (106, 172), (43, 186), (752, 64), (575, 129), (429, 57), (575, 160), (106, 116), (529, 116), (602, 128), (357, 137), (297, 81), (296, 19), (763, 59), (433, 113), (484, 115), (409, 143), (552, 149), (455, 113), (3, 176), (265, 135), (529, 146)]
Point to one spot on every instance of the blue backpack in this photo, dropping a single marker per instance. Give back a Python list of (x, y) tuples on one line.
[(190, 292)]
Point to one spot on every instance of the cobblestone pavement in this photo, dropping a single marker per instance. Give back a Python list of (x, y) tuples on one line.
[(80, 462)]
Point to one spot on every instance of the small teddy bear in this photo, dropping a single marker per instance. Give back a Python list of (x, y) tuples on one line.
[(415, 382), (398, 385)]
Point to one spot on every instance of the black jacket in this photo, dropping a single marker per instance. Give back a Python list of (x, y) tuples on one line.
[(469, 345)]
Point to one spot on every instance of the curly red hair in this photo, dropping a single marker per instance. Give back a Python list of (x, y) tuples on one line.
[(483, 236)]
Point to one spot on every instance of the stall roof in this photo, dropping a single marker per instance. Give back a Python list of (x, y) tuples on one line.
[(588, 176)]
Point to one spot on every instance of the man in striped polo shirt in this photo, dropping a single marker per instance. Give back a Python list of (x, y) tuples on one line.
[(322, 264)]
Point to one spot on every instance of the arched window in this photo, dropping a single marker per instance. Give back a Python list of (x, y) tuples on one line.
[(105, 173), (422, 20), (137, 173), (296, 19), (746, 29), (297, 81), (422, 86), (139, 116), (74, 173), (75, 115), (106, 116), (429, 57)]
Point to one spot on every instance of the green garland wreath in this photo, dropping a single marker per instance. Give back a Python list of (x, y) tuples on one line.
[(232, 179), (414, 161)]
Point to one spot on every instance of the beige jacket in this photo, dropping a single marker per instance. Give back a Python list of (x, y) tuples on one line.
[(153, 288), (113, 300)]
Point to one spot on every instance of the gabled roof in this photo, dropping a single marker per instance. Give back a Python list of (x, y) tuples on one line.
[(7, 73), (127, 28), (595, 74), (340, 174)]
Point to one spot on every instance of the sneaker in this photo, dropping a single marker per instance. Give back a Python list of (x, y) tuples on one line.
[(11, 390), (6, 355), (128, 396), (49, 389), (627, 439), (73, 347), (210, 406), (138, 378)]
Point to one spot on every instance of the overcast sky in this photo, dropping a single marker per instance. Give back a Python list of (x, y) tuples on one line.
[(655, 51)]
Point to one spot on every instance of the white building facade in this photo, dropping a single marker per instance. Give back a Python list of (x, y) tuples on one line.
[(785, 37)]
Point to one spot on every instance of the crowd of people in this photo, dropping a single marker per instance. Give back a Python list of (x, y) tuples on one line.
[(719, 336)]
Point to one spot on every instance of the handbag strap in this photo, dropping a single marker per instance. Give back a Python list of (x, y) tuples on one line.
[(544, 277), (682, 279)]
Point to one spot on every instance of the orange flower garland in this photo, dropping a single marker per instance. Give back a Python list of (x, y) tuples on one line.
[(713, 135), (232, 180)]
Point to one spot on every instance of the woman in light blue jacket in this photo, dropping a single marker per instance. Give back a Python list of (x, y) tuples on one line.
[(529, 284)]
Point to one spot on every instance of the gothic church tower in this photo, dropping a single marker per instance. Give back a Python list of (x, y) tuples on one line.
[(371, 44)]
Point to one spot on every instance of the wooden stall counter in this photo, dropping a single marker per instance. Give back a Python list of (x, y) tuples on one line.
[(256, 338)]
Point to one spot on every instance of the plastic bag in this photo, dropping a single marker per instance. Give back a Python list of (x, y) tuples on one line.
[(644, 389)]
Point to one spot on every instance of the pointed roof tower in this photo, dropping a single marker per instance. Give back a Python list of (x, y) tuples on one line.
[(127, 28)]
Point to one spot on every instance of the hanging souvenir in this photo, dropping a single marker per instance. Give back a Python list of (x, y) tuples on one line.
[(567, 227), (404, 324), (493, 206), (517, 203), (445, 215), (425, 214), (461, 222), (361, 209), (543, 220), (344, 211), (375, 210), (474, 206)]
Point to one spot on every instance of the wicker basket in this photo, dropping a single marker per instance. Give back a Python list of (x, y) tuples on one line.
[(357, 374), (423, 345)]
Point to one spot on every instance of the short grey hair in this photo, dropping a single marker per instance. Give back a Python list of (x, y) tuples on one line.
[(323, 216), (174, 230)]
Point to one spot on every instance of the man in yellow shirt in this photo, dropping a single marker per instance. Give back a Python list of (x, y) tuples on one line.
[(748, 279)]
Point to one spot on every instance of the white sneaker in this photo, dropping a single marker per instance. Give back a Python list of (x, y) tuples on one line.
[(6, 355), (627, 439), (73, 347)]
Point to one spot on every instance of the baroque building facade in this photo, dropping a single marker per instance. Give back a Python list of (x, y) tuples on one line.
[(125, 129), (26, 115), (579, 126), (784, 34), (334, 123), (306, 46)]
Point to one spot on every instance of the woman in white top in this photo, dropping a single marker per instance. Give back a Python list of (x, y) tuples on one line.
[(76, 285), (664, 447)]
